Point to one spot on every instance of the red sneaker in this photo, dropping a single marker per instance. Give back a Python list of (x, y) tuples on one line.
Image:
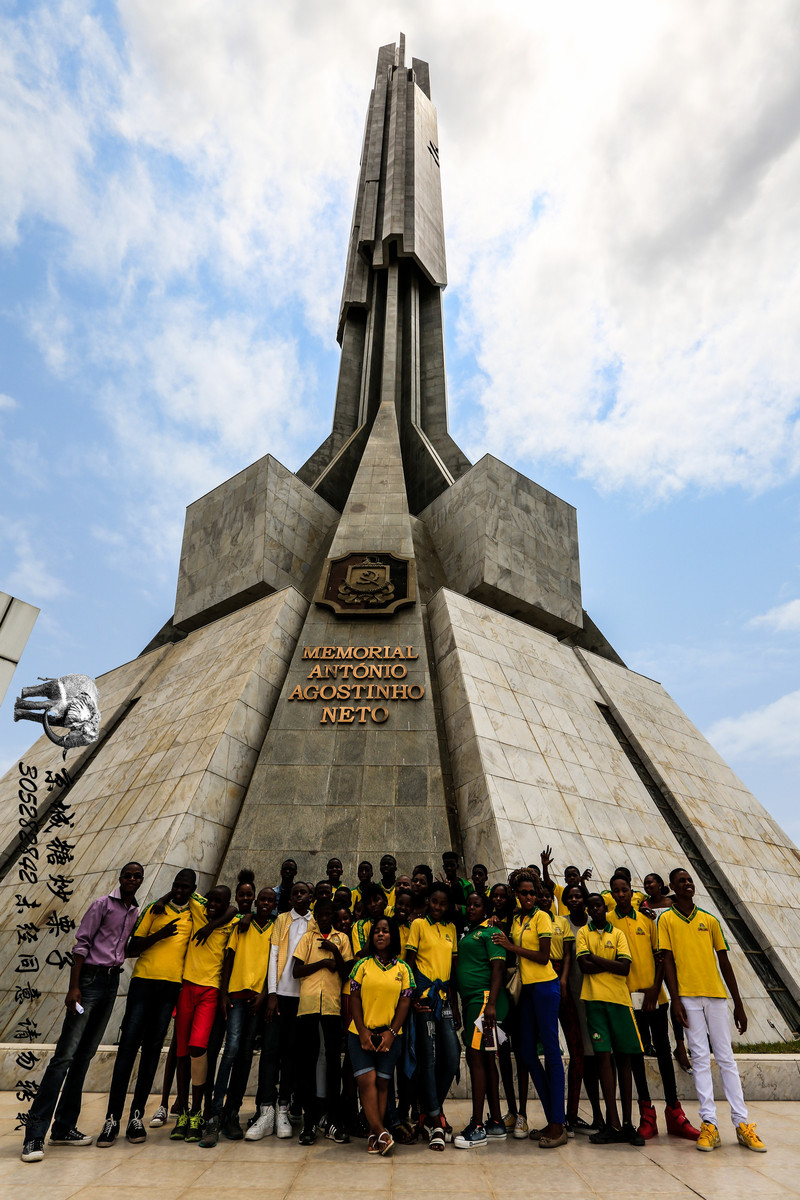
[(678, 1124), (648, 1125)]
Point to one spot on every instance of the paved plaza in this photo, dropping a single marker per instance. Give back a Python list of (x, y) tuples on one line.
[(664, 1169)]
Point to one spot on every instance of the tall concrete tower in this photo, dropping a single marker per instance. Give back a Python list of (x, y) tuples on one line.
[(388, 651)]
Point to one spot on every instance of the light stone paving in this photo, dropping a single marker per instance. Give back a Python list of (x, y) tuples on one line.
[(165, 788), (534, 763), (665, 1169)]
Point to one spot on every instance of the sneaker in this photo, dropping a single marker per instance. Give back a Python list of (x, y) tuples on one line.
[(472, 1136), (295, 1115), (631, 1135), (649, 1051), (510, 1120), (496, 1131), (263, 1125), (73, 1137), (210, 1134), (159, 1117), (180, 1128), (678, 1124), (231, 1128), (283, 1125), (108, 1134), (578, 1125), (308, 1135), (608, 1136), (194, 1127), (746, 1136), (33, 1150), (338, 1134), (709, 1137), (648, 1123), (520, 1127), (448, 1129), (136, 1131)]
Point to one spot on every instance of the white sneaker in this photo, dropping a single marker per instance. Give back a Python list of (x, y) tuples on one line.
[(284, 1125), (159, 1117), (263, 1125)]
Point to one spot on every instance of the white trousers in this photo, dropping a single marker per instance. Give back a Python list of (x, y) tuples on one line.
[(709, 1020)]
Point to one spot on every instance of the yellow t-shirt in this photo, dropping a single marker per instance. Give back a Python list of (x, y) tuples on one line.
[(561, 908), (637, 899), (359, 935), (389, 893), (435, 944), (525, 932), (404, 931), (640, 934), (164, 959), (693, 941), (321, 992), (562, 932), (203, 962), (381, 989), (609, 943), (250, 957)]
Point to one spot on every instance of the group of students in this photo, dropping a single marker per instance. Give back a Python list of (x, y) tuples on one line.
[(356, 997)]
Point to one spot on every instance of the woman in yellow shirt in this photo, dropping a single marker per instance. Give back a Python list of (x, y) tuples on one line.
[(380, 996), (531, 933), (430, 952)]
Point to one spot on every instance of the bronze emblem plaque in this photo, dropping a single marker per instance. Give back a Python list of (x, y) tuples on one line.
[(367, 584)]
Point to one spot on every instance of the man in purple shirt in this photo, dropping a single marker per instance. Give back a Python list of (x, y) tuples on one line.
[(98, 956)]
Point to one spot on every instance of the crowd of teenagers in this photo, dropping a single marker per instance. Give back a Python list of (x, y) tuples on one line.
[(356, 998)]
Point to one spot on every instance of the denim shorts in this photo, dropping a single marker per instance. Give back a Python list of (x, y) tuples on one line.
[(382, 1062)]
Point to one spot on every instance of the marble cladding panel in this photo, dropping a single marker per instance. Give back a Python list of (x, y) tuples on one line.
[(506, 541), (166, 787), (534, 763), (254, 534), (319, 790), (759, 862)]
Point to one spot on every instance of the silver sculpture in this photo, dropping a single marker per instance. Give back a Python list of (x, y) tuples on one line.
[(71, 702)]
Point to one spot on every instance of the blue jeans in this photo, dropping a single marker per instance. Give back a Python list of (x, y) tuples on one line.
[(383, 1063), (238, 1018), (147, 1016), (538, 1022), (438, 1058), (77, 1044)]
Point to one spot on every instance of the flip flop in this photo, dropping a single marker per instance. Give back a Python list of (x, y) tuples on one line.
[(372, 1144), (385, 1142)]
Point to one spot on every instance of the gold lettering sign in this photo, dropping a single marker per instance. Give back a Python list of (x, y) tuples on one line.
[(349, 675)]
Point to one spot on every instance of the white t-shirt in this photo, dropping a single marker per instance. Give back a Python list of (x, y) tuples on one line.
[(287, 985)]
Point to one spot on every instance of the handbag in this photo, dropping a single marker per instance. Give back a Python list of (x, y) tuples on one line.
[(514, 980)]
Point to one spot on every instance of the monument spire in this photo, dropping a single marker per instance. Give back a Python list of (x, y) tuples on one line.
[(390, 321)]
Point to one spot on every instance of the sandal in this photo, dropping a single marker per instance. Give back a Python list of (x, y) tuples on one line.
[(372, 1144), (385, 1143), (403, 1134), (437, 1141)]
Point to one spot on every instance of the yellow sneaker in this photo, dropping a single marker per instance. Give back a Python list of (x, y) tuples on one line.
[(520, 1127), (709, 1136), (510, 1120), (747, 1136)]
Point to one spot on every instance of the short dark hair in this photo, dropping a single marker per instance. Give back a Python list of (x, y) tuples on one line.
[(450, 854), (371, 891), (482, 866), (423, 869), (675, 871), (323, 904)]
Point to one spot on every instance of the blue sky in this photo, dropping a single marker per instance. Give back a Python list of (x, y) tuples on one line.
[(622, 316)]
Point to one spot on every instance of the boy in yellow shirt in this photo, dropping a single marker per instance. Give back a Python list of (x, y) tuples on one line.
[(196, 1009), (242, 996), (651, 1013), (321, 962), (604, 958), (695, 965)]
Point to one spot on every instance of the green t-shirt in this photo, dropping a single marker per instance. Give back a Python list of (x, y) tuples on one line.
[(476, 953)]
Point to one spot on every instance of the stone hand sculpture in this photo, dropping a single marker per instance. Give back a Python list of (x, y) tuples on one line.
[(71, 701)]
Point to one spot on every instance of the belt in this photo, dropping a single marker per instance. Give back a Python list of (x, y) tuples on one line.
[(102, 970)]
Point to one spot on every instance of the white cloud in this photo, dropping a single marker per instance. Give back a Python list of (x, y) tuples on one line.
[(30, 575), (7, 402), (784, 618), (620, 191), (771, 730)]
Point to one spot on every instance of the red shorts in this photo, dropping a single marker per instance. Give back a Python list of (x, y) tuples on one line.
[(194, 1016)]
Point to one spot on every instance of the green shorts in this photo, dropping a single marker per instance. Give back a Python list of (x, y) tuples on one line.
[(612, 1028), (471, 1009)]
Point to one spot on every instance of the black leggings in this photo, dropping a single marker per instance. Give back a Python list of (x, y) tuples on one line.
[(654, 1027)]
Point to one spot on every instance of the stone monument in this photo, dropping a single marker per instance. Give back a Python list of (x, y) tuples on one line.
[(385, 650)]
